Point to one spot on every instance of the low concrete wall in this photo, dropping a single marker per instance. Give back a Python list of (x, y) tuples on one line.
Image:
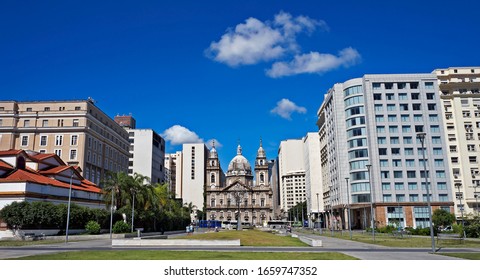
[(310, 241), (174, 242)]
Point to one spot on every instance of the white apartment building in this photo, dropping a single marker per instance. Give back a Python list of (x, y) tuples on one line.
[(291, 168), (459, 90), (368, 131), (313, 176), (147, 154), (193, 163)]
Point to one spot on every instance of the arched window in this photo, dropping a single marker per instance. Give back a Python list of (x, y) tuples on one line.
[(262, 178), (212, 178)]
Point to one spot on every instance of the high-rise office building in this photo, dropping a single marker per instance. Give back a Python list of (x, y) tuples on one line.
[(369, 130), (77, 131)]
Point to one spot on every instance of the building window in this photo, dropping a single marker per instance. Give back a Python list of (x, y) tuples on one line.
[(411, 173), (412, 186), (46, 109), (43, 140), (385, 186), (387, 198), (413, 197), (73, 154), (58, 140), (24, 141), (75, 122), (58, 152), (74, 140)]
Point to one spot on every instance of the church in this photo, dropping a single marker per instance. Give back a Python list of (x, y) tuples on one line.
[(239, 194)]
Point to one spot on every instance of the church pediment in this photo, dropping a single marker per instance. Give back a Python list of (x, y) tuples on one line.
[(238, 186)]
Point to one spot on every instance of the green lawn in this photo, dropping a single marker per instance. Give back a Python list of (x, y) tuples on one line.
[(184, 255), (251, 238), (406, 242), (15, 243)]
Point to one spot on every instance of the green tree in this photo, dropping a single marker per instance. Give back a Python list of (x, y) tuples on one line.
[(442, 218)]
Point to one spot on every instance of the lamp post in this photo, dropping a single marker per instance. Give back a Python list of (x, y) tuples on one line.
[(369, 166), (318, 213), (459, 196), (238, 195), (133, 205), (68, 208), (348, 208), (421, 137), (475, 194), (111, 212)]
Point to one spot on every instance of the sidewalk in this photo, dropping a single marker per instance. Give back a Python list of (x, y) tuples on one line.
[(365, 251)]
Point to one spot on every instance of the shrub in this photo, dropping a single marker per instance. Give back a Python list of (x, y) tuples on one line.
[(121, 227), (92, 227)]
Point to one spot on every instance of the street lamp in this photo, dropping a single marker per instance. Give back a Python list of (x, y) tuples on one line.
[(133, 206), (238, 195), (475, 194), (111, 212), (318, 214), (348, 208), (421, 137), (369, 166), (68, 208), (459, 196)]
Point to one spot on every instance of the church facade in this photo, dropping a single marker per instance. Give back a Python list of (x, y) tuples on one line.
[(236, 194)]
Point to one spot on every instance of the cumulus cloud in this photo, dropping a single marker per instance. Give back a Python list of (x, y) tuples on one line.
[(285, 108), (255, 41), (314, 62), (178, 135), (209, 143)]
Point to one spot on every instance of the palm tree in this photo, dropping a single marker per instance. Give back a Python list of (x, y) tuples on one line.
[(138, 188), (115, 184)]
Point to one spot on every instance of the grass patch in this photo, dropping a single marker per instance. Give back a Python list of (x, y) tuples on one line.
[(18, 243), (183, 255), (250, 238), (405, 242), (467, 256)]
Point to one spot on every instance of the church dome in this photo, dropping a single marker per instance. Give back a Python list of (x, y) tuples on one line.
[(213, 152), (239, 165)]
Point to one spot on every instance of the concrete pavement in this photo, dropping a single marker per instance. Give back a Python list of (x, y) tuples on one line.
[(359, 250)]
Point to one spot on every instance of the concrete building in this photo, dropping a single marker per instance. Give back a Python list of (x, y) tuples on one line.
[(459, 90), (368, 131), (313, 177), (291, 174), (77, 131), (147, 154), (194, 160)]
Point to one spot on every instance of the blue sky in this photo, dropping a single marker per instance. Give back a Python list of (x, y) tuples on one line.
[(226, 70)]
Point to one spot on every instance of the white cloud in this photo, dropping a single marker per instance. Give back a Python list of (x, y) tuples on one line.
[(285, 108), (209, 143), (314, 62), (178, 135), (255, 41)]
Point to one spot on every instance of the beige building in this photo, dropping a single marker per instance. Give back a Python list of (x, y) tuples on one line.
[(77, 131), (460, 96)]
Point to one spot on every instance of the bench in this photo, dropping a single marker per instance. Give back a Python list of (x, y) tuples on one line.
[(449, 236), (401, 233)]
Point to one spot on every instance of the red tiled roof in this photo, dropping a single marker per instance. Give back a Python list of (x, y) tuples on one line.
[(4, 165), (55, 170), (10, 152), (27, 176)]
